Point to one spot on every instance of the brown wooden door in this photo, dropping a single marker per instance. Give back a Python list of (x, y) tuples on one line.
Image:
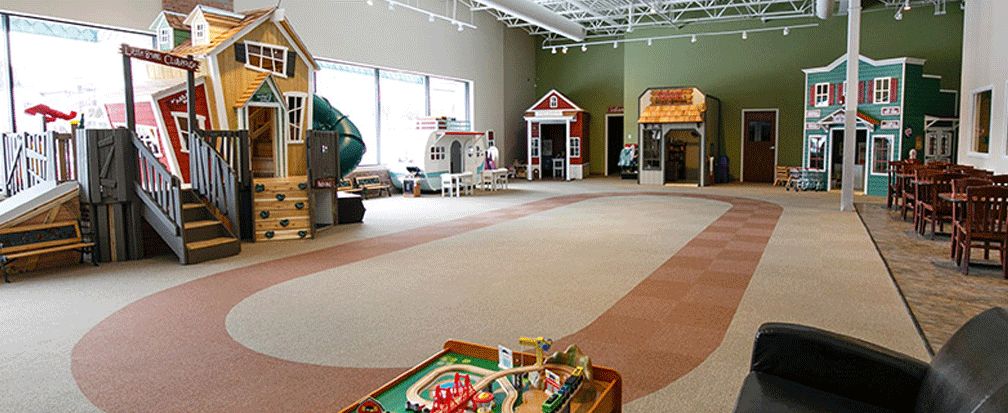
[(759, 132)]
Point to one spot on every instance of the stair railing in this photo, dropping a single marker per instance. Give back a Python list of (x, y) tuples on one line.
[(161, 192), (212, 156), (30, 159)]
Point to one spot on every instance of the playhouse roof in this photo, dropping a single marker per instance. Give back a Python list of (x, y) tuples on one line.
[(236, 28), (883, 62), (174, 20), (838, 115), (563, 103), (251, 89), (682, 105)]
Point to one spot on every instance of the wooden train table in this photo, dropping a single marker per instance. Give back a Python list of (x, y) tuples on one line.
[(472, 369)]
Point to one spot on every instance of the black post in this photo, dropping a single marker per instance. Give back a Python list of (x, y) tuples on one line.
[(128, 79), (191, 109)]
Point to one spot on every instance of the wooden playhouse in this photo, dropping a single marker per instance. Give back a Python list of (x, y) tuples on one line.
[(678, 127), (557, 138)]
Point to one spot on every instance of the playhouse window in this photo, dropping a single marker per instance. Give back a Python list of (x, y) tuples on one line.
[(295, 115), (182, 126), (817, 153), (265, 57), (575, 147), (553, 102), (199, 33), (149, 136), (651, 151), (881, 154), (981, 121), (821, 94), (882, 92), (534, 151), (437, 153), (165, 38)]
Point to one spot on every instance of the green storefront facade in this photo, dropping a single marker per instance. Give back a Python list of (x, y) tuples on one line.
[(899, 108)]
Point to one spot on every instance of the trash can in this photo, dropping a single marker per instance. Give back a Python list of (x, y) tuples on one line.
[(721, 170)]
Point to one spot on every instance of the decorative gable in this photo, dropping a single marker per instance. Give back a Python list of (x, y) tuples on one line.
[(554, 100)]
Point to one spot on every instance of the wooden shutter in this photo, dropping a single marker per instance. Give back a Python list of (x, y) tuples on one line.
[(239, 49), (860, 92), (832, 90), (870, 91), (840, 94), (811, 95), (893, 83), (291, 63)]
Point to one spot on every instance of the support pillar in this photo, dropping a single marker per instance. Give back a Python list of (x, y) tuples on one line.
[(851, 104)]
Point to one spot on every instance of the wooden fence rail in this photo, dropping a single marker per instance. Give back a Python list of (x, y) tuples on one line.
[(213, 176), (161, 190), (30, 159)]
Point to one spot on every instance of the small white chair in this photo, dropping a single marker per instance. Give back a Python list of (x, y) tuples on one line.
[(448, 184), (466, 183), (558, 168), (488, 180), (501, 177)]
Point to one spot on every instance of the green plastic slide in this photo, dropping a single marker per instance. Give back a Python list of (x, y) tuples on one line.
[(352, 147)]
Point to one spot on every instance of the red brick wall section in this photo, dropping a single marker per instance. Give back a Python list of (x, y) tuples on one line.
[(186, 6)]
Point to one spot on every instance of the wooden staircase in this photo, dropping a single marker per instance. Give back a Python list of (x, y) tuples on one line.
[(207, 237), (281, 208)]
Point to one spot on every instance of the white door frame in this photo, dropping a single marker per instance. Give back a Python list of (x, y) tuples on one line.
[(829, 164), (279, 135), (776, 112), (607, 116)]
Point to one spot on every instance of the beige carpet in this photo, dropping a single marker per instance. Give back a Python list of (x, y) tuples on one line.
[(819, 268)]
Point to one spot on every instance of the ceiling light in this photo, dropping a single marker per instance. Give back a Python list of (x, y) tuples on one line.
[(649, 41), (554, 50), (899, 15), (693, 39), (787, 31), (906, 5), (615, 45), (629, 29), (391, 6), (584, 48), (370, 2), (564, 50), (460, 27), (430, 18), (745, 35)]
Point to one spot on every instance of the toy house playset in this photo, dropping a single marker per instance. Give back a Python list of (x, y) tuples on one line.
[(557, 138), (451, 148), (899, 108), (678, 128)]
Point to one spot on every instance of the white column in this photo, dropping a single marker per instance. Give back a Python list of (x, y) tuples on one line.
[(528, 163), (851, 104), (567, 165)]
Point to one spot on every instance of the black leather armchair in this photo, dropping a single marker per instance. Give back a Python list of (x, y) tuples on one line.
[(803, 369)]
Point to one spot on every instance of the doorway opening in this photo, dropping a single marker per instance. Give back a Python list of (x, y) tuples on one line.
[(836, 158), (554, 149), (262, 127), (614, 142), (456, 157), (682, 156)]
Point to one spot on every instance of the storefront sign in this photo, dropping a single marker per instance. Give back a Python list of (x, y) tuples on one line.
[(811, 126), (162, 58), (890, 124), (615, 109), (813, 113), (891, 111)]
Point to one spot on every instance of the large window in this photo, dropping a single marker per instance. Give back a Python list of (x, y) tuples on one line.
[(882, 92), (981, 121), (267, 58), (68, 67), (403, 101), (817, 153), (881, 154), (295, 115), (385, 105), (821, 94)]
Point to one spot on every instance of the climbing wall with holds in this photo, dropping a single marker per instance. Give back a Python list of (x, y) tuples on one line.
[(281, 208)]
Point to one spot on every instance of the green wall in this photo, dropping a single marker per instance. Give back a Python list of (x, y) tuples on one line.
[(761, 72), (593, 80)]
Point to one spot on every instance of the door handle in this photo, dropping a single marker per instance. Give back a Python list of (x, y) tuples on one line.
[(773, 147)]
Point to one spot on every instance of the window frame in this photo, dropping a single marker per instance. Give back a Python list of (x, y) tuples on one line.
[(876, 90), (822, 139), (534, 150), (871, 167), (200, 32), (575, 147), (262, 57), (165, 36), (825, 95), (184, 140), (303, 99), (974, 94)]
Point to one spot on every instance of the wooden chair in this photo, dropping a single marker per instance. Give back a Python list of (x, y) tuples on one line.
[(781, 175), (910, 195), (984, 223), (932, 209), (959, 186), (999, 180), (980, 173), (895, 188)]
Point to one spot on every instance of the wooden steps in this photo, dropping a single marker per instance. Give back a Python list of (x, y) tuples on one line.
[(281, 208), (207, 238)]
